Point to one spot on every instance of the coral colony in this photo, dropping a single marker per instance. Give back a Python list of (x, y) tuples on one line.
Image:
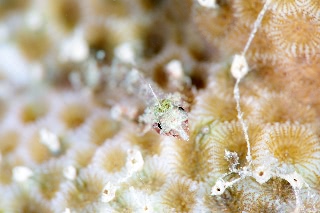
[(159, 106)]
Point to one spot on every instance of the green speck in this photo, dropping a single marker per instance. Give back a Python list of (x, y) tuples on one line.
[(163, 106)]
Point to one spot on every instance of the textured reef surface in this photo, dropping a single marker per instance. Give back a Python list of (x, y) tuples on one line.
[(159, 106)]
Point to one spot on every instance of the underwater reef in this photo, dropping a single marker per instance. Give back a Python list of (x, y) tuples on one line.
[(159, 106)]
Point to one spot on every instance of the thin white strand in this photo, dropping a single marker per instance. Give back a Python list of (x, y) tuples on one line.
[(256, 25), (154, 94), (240, 117)]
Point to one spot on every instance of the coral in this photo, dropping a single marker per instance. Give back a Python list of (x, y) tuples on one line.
[(48, 178), (83, 194), (268, 113), (159, 106), (180, 195), (289, 33), (111, 158), (58, 9), (282, 141)]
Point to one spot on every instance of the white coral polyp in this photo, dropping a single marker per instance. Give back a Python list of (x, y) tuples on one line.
[(135, 200), (262, 174), (134, 162), (50, 140), (21, 173), (174, 69), (219, 187), (74, 49), (108, 193), (67, 210), (208, 3), (70, 172), (125, 53)]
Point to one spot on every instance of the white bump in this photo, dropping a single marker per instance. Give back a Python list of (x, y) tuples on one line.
[(37, 71), (92, 75), (262, 175), (108, 193), (21, 173), (219, 187), (239, 67), (50, 140), (125, 53), (208, 3), (67, 210), (174, 69), (134, 161), (70, 172), (34, 20), (74, 49)]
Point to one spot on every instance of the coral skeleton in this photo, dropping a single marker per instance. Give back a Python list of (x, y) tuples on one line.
[(160, 106)]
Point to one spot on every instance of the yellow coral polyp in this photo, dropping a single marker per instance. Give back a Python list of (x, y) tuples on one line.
[(180, 195), (247, 12), (38, 152), (9, 141), (293, 146), (59, 8), (211, 107), (74, 115), (296, 35), (150, 143), (31, 112), (82, 194), (213, 23), (103, 129), (286, 6), (48, 179), (229, 137), (276, 108)]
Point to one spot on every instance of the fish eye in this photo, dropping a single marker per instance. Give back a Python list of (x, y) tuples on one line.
[(159, 125)]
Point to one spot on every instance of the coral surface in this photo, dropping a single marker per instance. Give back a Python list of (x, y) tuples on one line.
[(159, 106)]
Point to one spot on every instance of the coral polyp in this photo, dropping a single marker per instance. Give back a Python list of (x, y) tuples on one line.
[(290, 32), (159, 106), (180, 195), (284, 142)]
